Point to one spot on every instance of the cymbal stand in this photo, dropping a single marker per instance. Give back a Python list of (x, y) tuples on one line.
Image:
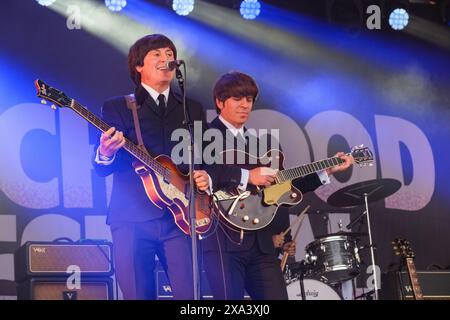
[(372, 253)]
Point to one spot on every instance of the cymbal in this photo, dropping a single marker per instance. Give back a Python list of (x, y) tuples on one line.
[(353, 195), (343, 233)]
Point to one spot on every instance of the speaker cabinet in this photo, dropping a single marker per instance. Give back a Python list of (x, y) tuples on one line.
[(58, 289), (435, 285)]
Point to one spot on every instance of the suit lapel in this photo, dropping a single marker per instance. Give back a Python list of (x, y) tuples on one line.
[(229, 139), (175, 101), (144, 99)]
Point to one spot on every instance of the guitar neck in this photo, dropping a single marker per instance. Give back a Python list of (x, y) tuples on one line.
[(418, 295), (304, 170), (129, 146)]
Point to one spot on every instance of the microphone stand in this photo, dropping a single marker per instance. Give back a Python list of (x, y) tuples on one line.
[(192, 218)]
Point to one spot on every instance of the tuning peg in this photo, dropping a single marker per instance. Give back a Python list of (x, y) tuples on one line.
[(53, 107), (43, 101)]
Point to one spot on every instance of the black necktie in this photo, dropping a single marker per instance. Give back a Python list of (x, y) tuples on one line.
[(161, 105)]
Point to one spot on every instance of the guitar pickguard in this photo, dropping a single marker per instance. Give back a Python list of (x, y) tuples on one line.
[(273, 193)]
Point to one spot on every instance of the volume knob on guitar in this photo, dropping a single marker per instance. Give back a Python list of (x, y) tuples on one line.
[(245, 218), (255, 221), (293, 195)]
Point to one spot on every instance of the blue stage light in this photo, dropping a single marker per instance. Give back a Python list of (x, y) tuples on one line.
[(398, 19), (115, 5), (45, 2), (250, 9), (183, 7)]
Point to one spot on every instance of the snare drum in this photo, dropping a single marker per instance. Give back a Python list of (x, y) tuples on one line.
[(334, 258), (314, 290)]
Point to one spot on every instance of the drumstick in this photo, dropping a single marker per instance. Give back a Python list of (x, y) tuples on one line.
[(300, 220), (283, 261), (298, 230)]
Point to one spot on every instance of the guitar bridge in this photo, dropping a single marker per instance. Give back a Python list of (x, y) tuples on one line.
[(222, 195), (240, 197), (202, 222)]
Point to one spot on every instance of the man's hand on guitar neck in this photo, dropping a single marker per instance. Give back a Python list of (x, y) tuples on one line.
[(110, 143), (348, 161), (262, 176)]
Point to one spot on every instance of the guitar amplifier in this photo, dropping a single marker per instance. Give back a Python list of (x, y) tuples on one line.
[(57, 289), (45, 259), (435, 285)]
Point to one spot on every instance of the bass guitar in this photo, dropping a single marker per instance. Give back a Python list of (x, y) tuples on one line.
[(164, 184)]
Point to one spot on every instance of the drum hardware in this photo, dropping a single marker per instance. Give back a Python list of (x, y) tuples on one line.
[(361, 194), (340, 225), (352, 223), (366, 295), (302, 285), (367, 247)]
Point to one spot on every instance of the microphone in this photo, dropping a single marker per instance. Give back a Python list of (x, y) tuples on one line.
[(174, 64)]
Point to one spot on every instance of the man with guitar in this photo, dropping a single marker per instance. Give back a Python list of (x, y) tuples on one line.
[(235, 259), (140, 229)]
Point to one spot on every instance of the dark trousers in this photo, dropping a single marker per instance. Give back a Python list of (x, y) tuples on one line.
[(135, 247), (230, 273)]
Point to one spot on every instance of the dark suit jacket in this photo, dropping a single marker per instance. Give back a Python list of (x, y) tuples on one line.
[(263, 237), (129, 202)]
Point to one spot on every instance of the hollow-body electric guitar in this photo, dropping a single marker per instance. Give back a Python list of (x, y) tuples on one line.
[(255, 208)]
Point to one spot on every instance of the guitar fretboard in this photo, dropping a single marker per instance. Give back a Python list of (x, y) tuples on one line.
[(304, 170), (132, 148), (418, 295)]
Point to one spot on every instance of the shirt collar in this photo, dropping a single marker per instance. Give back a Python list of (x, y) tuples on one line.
[(155, 94), (232, 128)]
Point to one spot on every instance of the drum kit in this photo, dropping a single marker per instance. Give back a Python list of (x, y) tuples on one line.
[(333, 259)]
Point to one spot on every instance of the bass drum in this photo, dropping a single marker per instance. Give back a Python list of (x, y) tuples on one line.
[(314, 290)]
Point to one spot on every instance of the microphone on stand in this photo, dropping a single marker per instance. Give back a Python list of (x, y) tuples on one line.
[(174, 64)]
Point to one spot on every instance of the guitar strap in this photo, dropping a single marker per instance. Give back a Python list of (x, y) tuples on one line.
[(131, 104)]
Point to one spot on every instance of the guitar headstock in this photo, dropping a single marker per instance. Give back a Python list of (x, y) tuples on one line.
[(51, 94), (402, 248), (362, 156)]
